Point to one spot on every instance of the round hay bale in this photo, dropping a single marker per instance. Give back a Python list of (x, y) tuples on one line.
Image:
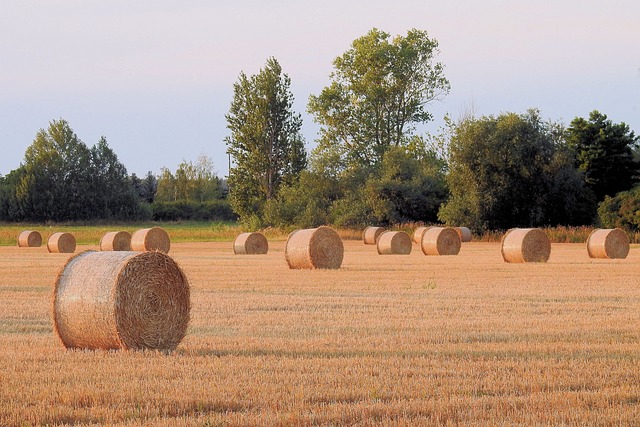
[(250, 244), (608, 243), (121, 300), (464, 233), (116, 241), (314, 248), (370, 235), (29, 239), (63, 243), (525, 245), (418, 233), (440, 241), (151, 239), (394, 243)]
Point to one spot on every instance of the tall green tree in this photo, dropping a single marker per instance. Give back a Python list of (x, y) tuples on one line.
[(265, 142), (378, 93), (512, 171), (605, 154)]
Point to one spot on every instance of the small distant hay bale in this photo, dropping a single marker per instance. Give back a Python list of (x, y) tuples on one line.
[(29, 239), (250, 244), (464, 233), (394, 243), (151, 239), (440, 241), (62, 243), (370, 235), (121, 300), (526, 245), (608, 243), (116, 241), (418, 233), (314, 248)]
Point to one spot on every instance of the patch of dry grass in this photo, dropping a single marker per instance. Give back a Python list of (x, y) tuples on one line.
[(411, 340)]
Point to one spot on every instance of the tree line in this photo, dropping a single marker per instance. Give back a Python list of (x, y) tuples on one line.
[(371, 165)]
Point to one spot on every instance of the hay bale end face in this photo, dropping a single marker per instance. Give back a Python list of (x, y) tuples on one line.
[(319, 247), (608, 243), (394, 243), (440, 241), (250, 244), (116, 241), (121, 300), (464, 233), (370, 235), (62, 243), (29, 239), (525, 245), (418, 233), (151, 239)]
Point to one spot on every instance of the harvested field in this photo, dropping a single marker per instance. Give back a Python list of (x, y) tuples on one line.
[(410, 340)]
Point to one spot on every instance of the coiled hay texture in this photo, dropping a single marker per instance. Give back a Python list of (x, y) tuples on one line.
[(314, 248), (440, 241), (116, 241), (63, 243), (394, 243), (250, 244), (151, 239), (464, 233), (29, 239), (608, 243), (121, 300), (526, 245), (370, 235), (418, 233)]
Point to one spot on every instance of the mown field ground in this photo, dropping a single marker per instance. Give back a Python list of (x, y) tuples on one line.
[(391, 340)]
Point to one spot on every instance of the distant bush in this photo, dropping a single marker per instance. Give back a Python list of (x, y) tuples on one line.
[(214, 210), (621, 210)]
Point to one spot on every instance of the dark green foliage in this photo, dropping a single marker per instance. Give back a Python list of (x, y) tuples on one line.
[(622, 210), (61, 179), (265, 141), (605, 154), (512, 171), (212, 210)]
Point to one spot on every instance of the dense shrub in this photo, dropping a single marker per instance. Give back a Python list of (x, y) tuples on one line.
[(214, 210)]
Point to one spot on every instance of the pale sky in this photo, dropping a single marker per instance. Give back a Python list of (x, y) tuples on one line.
[(156, 77)]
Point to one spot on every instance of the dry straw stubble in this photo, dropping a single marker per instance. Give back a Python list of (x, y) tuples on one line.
[(394, 243), (608, 243), (319, 247), (29, 239), (440, 241), (250, 244), (151, 239), (116, 241), (526, 245), (121, 300), (63, 243), (370, 235)]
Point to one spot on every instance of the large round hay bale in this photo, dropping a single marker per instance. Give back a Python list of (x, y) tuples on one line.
[(121, 300), (394, 243), (526, 245), (314, 248), (250, 244), (151, 239), (440, 241), (464, 233), (29, 239), (116, 241), (418, 233), (608, 243), (370, 235), (63, 243)]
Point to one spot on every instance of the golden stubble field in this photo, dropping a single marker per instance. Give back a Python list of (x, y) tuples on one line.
[(385, 340)]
